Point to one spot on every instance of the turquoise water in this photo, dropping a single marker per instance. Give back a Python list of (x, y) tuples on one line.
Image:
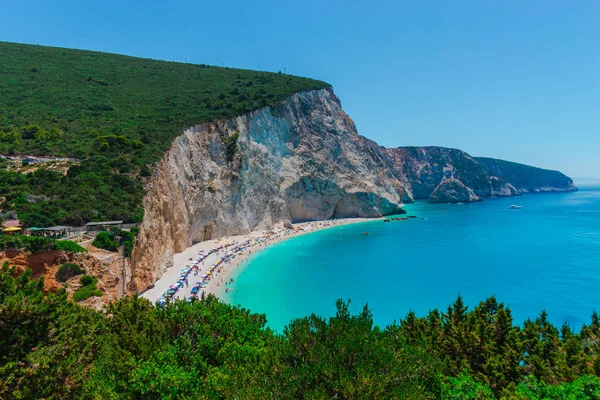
[(544, 256)]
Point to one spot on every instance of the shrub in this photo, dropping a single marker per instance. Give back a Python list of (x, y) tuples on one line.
[(86, 292), (86, 280), (36, 244), (145, 171), (230, 145), (128, 248), (88, 289), (106, 241), (68, 245), (67, 271), (127, 236)]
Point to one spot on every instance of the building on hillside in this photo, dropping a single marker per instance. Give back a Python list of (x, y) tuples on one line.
[(53, 232), (103, 225)]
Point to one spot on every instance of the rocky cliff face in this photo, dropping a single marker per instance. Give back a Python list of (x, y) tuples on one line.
[(443, 175), (446, 175), (301, 160)]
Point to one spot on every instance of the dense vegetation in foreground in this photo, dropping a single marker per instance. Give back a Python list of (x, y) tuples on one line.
[(53, 348), (117, 114)]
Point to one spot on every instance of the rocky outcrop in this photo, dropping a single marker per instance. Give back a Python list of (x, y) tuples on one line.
[(453, 191), (444, 175), (46, 263), (301, 160)]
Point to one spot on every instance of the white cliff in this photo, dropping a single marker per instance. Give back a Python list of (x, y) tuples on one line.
[(301, 160)]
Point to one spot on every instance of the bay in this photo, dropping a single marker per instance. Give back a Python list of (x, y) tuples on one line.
[(543, 256)]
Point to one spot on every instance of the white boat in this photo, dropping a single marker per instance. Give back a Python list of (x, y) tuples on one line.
[(513, 207)]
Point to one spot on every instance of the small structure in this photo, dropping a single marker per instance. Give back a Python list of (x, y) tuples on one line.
[(11, 223), (54, 232), (11, 230), (11, 226), (103, 225)]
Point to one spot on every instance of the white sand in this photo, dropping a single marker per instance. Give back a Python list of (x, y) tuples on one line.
[(189, 255)]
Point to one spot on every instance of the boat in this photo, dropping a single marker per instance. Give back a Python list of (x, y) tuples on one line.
[(514, 207)]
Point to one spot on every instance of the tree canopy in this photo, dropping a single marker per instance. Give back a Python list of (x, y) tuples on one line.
[(52, 348)]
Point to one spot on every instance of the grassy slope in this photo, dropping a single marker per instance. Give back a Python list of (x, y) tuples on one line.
[(118, 113), (525, 176)]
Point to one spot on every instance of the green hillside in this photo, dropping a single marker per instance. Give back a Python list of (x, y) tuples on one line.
[(116, 113), (526, 177)]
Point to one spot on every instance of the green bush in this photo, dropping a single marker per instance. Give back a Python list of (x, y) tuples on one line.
[(10, 242), (110, 240), (106, 241), (230, 143), (36, 244), (67, 271), (128, 248), (68, 245), (145, 171), (88, 289)]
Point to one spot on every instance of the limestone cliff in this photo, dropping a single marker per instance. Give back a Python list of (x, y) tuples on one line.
[(301, 160), (443, 175)]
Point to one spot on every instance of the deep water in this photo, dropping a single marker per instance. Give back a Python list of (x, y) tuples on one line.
[(544, 256)]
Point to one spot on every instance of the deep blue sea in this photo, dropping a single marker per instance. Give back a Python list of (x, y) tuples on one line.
[(543, 256)]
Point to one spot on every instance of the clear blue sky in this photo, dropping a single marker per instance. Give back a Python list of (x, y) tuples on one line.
[(512, 79)]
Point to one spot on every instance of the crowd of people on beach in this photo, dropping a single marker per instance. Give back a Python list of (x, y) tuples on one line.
[(195, 268), (226, 253), (230, 251)]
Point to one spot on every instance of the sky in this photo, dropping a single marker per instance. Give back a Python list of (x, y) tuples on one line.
[(512, 79)]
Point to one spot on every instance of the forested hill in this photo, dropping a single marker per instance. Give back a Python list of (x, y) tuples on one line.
[(527, 178), (117, 114)]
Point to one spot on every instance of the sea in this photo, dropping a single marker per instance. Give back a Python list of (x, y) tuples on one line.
[(544, 256)]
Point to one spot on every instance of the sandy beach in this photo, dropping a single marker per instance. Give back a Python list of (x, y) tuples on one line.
[(223, 256)]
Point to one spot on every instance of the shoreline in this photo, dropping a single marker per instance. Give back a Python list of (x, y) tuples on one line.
[(224, 256)]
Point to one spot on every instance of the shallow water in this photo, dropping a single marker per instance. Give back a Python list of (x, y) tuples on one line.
[(544, 256)]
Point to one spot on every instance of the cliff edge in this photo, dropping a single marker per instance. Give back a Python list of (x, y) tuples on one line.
[(444, 175), (300, 160)]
